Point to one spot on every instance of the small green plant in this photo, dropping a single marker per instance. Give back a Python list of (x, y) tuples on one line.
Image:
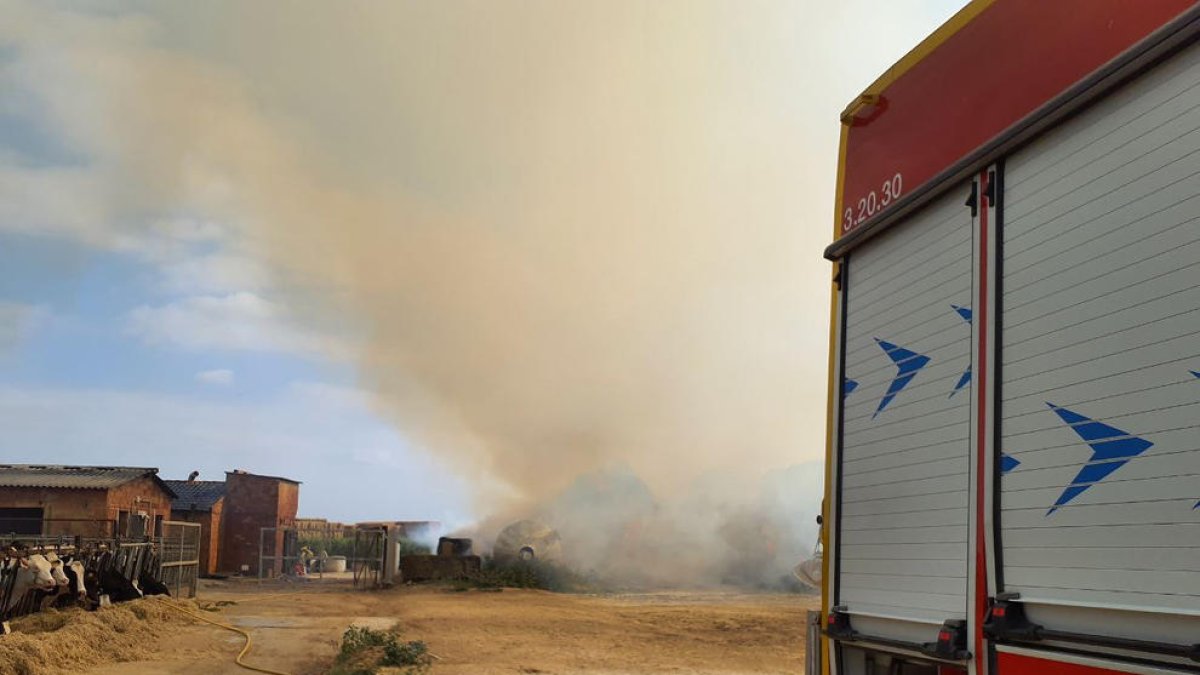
[(413, 654), (360, 638), (365, 650)]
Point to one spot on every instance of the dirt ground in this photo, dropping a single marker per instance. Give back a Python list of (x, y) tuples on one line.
[(296, 628)]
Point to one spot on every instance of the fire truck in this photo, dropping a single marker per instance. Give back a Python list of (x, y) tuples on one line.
[(1013, 454)]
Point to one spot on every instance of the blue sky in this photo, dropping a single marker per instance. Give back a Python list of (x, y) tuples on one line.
[(86, 378), (175, 292), (81, 383)]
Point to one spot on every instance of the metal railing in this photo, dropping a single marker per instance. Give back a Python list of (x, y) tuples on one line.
[(281, 551), (179, 557), (172, 559)]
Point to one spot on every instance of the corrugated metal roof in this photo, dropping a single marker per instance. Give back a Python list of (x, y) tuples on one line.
[(196, 495), (76, 477)]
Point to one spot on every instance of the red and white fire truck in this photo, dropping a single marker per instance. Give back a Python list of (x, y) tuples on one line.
[(1013, 481)]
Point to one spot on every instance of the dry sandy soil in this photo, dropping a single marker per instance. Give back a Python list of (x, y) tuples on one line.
[(296, 628)]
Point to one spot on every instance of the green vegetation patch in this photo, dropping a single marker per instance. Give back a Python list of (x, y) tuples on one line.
[(533, 574), (364, 651)]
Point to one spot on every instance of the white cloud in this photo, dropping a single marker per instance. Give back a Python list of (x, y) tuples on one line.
[(18, 321), (236, 322), (332, 396), (220, 376), (292, 435), (216, 273)]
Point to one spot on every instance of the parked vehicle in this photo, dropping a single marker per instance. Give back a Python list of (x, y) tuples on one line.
[(1013, 480)]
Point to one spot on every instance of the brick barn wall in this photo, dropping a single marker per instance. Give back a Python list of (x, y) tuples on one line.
[(210, 534), (65, 511), (289, 503), (90, 513), (212, 543), (143, 494), (252, 503)]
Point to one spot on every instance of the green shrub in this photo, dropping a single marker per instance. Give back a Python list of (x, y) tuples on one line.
[(546, 576), (413, 654), (364, 650), (360, 638)]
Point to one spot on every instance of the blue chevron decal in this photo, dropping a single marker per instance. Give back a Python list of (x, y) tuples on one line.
[(907, 364), (1008, 463), (1194, 373), (1111, 449), (849, 387), (965, 378)]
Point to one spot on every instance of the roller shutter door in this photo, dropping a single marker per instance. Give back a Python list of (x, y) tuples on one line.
[(903, 524), (1100, 365)]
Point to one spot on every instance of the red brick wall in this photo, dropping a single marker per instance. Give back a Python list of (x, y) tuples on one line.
[(211, 545), (289, 503), (145, 495), (252, 503), (210, 534), (79, 509), (86, 512)]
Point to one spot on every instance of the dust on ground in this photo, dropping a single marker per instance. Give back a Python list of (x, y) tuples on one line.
[(296, 628)]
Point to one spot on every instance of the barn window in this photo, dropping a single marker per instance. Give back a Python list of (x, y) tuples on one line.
[(20, 521)]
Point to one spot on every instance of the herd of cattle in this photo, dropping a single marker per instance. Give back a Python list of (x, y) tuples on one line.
[(35, 578)]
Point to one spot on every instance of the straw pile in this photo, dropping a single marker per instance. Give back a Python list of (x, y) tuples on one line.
[(78, 640)]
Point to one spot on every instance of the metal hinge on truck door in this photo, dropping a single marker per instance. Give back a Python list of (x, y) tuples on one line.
[(837, 626), (951, 642), (1006, 620)]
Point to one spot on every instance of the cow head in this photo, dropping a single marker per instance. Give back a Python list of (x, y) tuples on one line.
[(38, 570), (77, 574), (56, 569)]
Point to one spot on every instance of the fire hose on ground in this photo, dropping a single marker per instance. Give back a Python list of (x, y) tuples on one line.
[(243, 633)]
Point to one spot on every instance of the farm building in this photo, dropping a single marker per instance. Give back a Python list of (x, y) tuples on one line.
[(97, 501), (251, 503), (203, 502)]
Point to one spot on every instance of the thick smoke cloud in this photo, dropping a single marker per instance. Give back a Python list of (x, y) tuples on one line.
[(562, 236)]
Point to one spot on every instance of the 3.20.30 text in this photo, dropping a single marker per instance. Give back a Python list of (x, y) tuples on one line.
[(872, 203)]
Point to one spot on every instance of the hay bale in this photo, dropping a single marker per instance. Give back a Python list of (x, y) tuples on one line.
[(422, 568), (77, 640), (527, 540)]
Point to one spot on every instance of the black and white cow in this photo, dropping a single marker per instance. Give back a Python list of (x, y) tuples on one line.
[(33, 575)]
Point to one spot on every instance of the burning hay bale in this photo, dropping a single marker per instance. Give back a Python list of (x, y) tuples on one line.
[(453, 562), (423, 568), (527, 540)]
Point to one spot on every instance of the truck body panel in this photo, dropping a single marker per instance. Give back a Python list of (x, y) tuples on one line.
[(1014, 463)]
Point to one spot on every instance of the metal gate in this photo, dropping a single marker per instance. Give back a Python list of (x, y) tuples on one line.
[(179, 557), (281, 551), (368, 558), (278, 552)]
